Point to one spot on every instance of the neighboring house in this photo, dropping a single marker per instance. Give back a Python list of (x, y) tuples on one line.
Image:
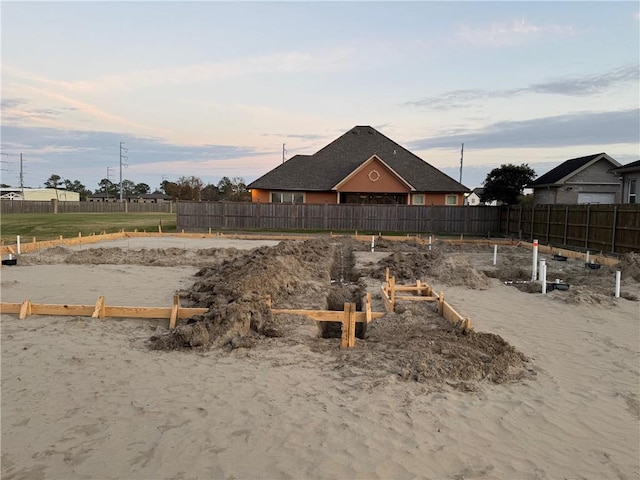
[(361, 166), (473, 198), (38, 194), (102, 197), (630, 177), (579, 181), (143, 198), (150, 198)]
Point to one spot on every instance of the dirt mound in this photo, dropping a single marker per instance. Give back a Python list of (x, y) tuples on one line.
[(629, 266), (236, 291), (455, 270), (422, 347), (168, 257), (407, 267), (582, 295)]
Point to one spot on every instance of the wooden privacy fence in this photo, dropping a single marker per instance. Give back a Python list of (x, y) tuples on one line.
[(607, 228), (305, 216), (55, 206)]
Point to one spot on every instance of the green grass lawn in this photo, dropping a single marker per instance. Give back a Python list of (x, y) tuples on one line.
[(47, 226)]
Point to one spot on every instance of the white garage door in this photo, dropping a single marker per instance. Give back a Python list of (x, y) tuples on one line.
[(596, 198)]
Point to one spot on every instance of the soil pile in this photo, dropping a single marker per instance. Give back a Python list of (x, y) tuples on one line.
[(629, 266), (167, 257), (420, 346)]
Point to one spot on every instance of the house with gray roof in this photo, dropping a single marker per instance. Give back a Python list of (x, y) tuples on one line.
[(361, 166), (630, 177), (579, 180)]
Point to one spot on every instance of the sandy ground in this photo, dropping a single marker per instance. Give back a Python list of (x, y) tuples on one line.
[(85, 398)]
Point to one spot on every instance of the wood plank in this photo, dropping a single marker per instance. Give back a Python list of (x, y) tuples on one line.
[(62, 310), (10, 307), (88, 310), (326, 315), (416, 298)]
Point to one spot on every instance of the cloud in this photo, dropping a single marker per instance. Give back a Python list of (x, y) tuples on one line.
[(86, 155), (581, 128), (570, 86), (332, 60), (513, 33)]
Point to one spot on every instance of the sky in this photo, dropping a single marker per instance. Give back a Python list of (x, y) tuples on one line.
[(214, 89)]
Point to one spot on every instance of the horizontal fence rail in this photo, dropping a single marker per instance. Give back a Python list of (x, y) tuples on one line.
[(54, 206), (382, 218), (606, 228)]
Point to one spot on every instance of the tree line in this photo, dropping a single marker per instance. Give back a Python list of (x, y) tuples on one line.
[(185, 188)]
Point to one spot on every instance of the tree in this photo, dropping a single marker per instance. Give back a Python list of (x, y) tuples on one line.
[(210, 193), (54, 182), (189, 188), (78, 187), (506, 183), (141, 189), (233, 189), (169, 188), (108, 187)]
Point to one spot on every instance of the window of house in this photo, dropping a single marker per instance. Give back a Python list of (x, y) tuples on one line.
[(287, 197), (418, 199), (452, 199), (632, 190)]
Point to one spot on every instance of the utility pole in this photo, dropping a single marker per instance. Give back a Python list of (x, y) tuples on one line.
[(123, 158), (461, 159), (284, 152)]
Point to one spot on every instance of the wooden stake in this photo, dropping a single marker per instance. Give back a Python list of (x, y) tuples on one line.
[(344, 343), (174, 312), (441, 303), (99, 310), (393, 294), (367, 308), (352, 326), (25, 310)]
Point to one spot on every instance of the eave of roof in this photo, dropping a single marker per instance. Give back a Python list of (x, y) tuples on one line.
[(628, 168)]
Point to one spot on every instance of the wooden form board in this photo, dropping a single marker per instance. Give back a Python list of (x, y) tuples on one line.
[(100, 310), (349, 317), (421, 292)]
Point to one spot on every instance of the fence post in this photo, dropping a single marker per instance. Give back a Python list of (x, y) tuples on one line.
[(520, 223), (548, 221), (54, 205), (613, 233), (586, 233), (566, 224)]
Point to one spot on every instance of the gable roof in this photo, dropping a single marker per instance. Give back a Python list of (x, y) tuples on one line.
[(569, 167), (629, 167), (330, 165)]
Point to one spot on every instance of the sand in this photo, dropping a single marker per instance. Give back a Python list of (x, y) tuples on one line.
[(85, 398)]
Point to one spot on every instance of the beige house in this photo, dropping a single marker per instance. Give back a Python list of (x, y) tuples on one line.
[(579, 181), (39, 194)]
